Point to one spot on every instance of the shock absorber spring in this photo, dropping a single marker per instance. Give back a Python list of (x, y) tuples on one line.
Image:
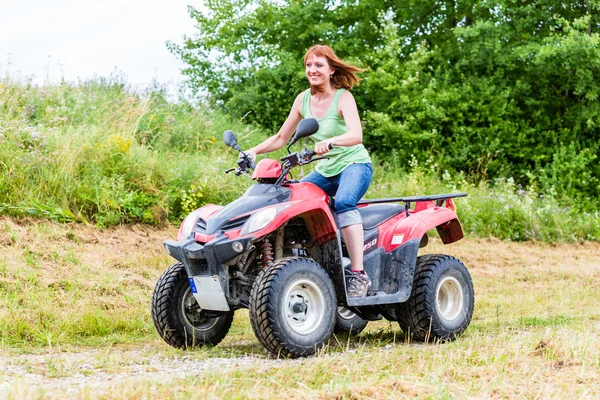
[(266, 249)]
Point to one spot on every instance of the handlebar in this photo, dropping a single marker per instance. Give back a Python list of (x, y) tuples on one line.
[(244, 164), (290, 161), (311, 153)]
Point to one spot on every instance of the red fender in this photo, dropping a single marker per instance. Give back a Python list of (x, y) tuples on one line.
[(418, 223), (315, 212)]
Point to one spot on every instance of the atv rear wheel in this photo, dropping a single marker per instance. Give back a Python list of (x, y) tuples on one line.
[(293, 307), (177, 316), (347, 322), (442, 299)]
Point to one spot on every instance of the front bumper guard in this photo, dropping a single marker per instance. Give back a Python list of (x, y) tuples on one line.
[(207, 274)]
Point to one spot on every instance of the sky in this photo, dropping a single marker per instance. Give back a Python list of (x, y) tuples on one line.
[(49, 40)]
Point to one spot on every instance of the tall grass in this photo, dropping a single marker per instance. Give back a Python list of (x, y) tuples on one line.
[(95, 152)]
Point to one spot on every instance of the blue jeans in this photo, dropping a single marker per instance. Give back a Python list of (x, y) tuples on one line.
[(347, 187)]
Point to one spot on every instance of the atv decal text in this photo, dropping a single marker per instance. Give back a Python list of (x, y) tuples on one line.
[(369, 245)]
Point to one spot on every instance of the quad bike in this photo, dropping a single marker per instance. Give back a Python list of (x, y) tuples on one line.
[(277, 251)]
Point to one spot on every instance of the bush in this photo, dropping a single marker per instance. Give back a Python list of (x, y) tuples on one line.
[(98, 152)]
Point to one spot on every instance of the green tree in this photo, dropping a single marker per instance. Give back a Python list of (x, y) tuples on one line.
[(494, 88)]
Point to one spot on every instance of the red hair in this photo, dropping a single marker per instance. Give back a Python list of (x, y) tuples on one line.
[(344, 75)]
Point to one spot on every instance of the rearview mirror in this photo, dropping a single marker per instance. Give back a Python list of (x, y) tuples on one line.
[(230, 140), (306, 128)]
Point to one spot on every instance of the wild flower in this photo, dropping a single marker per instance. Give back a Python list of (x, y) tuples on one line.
[(122, 144)]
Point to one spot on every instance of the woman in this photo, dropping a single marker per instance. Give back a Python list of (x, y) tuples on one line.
[(347, 173)]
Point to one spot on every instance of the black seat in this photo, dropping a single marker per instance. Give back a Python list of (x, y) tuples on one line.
[(378, 213)]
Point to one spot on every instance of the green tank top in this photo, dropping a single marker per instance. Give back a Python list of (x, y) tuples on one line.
[(330, 126)]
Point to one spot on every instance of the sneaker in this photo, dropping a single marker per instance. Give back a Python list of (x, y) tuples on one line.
[(357, 284)]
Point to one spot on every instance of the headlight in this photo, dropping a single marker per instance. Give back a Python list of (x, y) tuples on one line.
[(262, 218), (188, 224)]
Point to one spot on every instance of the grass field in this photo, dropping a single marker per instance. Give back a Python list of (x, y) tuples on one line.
[(75, 323)]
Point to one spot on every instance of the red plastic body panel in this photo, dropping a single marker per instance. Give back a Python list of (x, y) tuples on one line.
[(312, 204), (204, 212), (424, 217), (202, 238), (320, 221), (267, 168), (307, 190), (308, 201), (208, 210)]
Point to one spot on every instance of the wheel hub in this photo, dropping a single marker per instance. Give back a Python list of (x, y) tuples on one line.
[(304, 307), (194, 315), (299, 308), (449, 298)]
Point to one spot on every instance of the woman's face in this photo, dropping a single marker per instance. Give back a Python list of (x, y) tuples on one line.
[(318, 70)]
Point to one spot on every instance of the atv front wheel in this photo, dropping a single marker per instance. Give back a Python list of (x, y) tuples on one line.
[(442, 299), (293, 307), (177, 316), (347, 322)]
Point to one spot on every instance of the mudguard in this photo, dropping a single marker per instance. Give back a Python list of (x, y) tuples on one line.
[(418, 223), (316, 214)]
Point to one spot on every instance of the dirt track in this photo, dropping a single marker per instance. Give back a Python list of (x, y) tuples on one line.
[(88, 368)]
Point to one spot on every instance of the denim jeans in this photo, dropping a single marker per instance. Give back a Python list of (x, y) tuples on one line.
[(347, 187)]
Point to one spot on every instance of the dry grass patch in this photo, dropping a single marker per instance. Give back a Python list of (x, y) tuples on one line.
[(62, 284), (75, 323)]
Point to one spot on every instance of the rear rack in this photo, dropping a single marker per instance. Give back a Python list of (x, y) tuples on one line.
[(438, 198)]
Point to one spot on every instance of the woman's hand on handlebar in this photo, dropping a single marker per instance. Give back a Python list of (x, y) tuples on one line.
[(249, 154), (323, 147)]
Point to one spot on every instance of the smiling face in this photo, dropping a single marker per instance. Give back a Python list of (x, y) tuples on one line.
[(318, 70)]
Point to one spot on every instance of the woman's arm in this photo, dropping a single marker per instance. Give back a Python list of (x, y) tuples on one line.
[(348, 110), (282, 137)]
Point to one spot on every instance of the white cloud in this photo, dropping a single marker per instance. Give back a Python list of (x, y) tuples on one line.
[(50, 40)]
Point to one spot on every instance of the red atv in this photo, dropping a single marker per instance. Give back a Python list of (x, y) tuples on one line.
[(278, 252)]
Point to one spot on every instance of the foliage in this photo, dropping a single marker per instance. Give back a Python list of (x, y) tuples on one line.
[(109, 156), (98, 152), (495, 89)]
